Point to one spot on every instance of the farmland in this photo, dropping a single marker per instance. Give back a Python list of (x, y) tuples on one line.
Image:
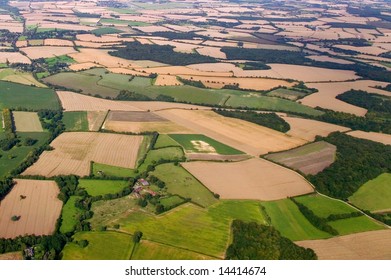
[(15, 96), (359, 246), (69, 215), (75, 121), (196, 143), (36, 205), (179, 181), (209, 237), (309, 159), (258, 179), (287, 219), (74, 151), (374, 195), (27, 122), (120, 248), (102, 187)]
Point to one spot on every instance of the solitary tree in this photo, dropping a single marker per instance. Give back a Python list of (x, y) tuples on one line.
[(137, 236)]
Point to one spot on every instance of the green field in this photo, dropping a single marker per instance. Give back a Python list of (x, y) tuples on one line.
[(148, 250), (286, 93), (354, 225), (69, 215), (288, 220), (185, 140), (171, 201), (179, 181), (102, 187), (153, 156), (110, 170), (375, 195), (323, 206), (101, 246), (105, 30), (32, 98), (206, 231), (59, 59), (11, 159), (165, 141), (75, 121)]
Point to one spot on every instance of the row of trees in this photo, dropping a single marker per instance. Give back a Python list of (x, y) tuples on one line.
[(252, 241), (270, 120), (10, 139)]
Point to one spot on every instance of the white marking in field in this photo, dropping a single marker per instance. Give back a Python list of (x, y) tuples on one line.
[(202, 146)]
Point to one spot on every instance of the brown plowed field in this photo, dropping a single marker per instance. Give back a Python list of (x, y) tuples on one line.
[(308, 129), (124, 116), (244, 136), (74, 151), (309, 159), (255, 178), (372, 245), (38, 212)]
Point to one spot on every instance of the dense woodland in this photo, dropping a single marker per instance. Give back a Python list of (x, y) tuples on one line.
[(270, 120), (252, 241), (163, 54), (372, 102), (357, 162)]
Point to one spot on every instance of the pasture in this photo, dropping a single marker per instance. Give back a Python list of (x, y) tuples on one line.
[(181, 182), (75, 121), (109, 170), (121, 246), (102, 187), (37, 206), (15, 96), (164, 141), (27, 122), (73, 152), (69, 215), (11, 159), (205, 231), (149, 250), (354, 225), (288, 220), (255, 179), (19, 77), (374, 195), (198, 143), (323, 206), (309, 159)]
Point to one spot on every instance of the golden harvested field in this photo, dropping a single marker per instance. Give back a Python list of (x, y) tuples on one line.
[(38, 211), (95, 119), (47, 51), (83, 66), (78, 102), (167, 80), (371, 50), (160, 105), (96, 39), (308, 129), (14, 57), (137, 127), (301, 73), (244, 83), (74, 151), (178, 47), (101, 57), (372, 245), (19, 77), (214, 67), (95, 45), (127, 72), (27, 122), (58, 42), (244, 136), (325, 97), (373, 136), (13, 256), (255, 178), (212, 51)]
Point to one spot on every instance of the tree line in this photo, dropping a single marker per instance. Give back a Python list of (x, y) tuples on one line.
[(252, 241)]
